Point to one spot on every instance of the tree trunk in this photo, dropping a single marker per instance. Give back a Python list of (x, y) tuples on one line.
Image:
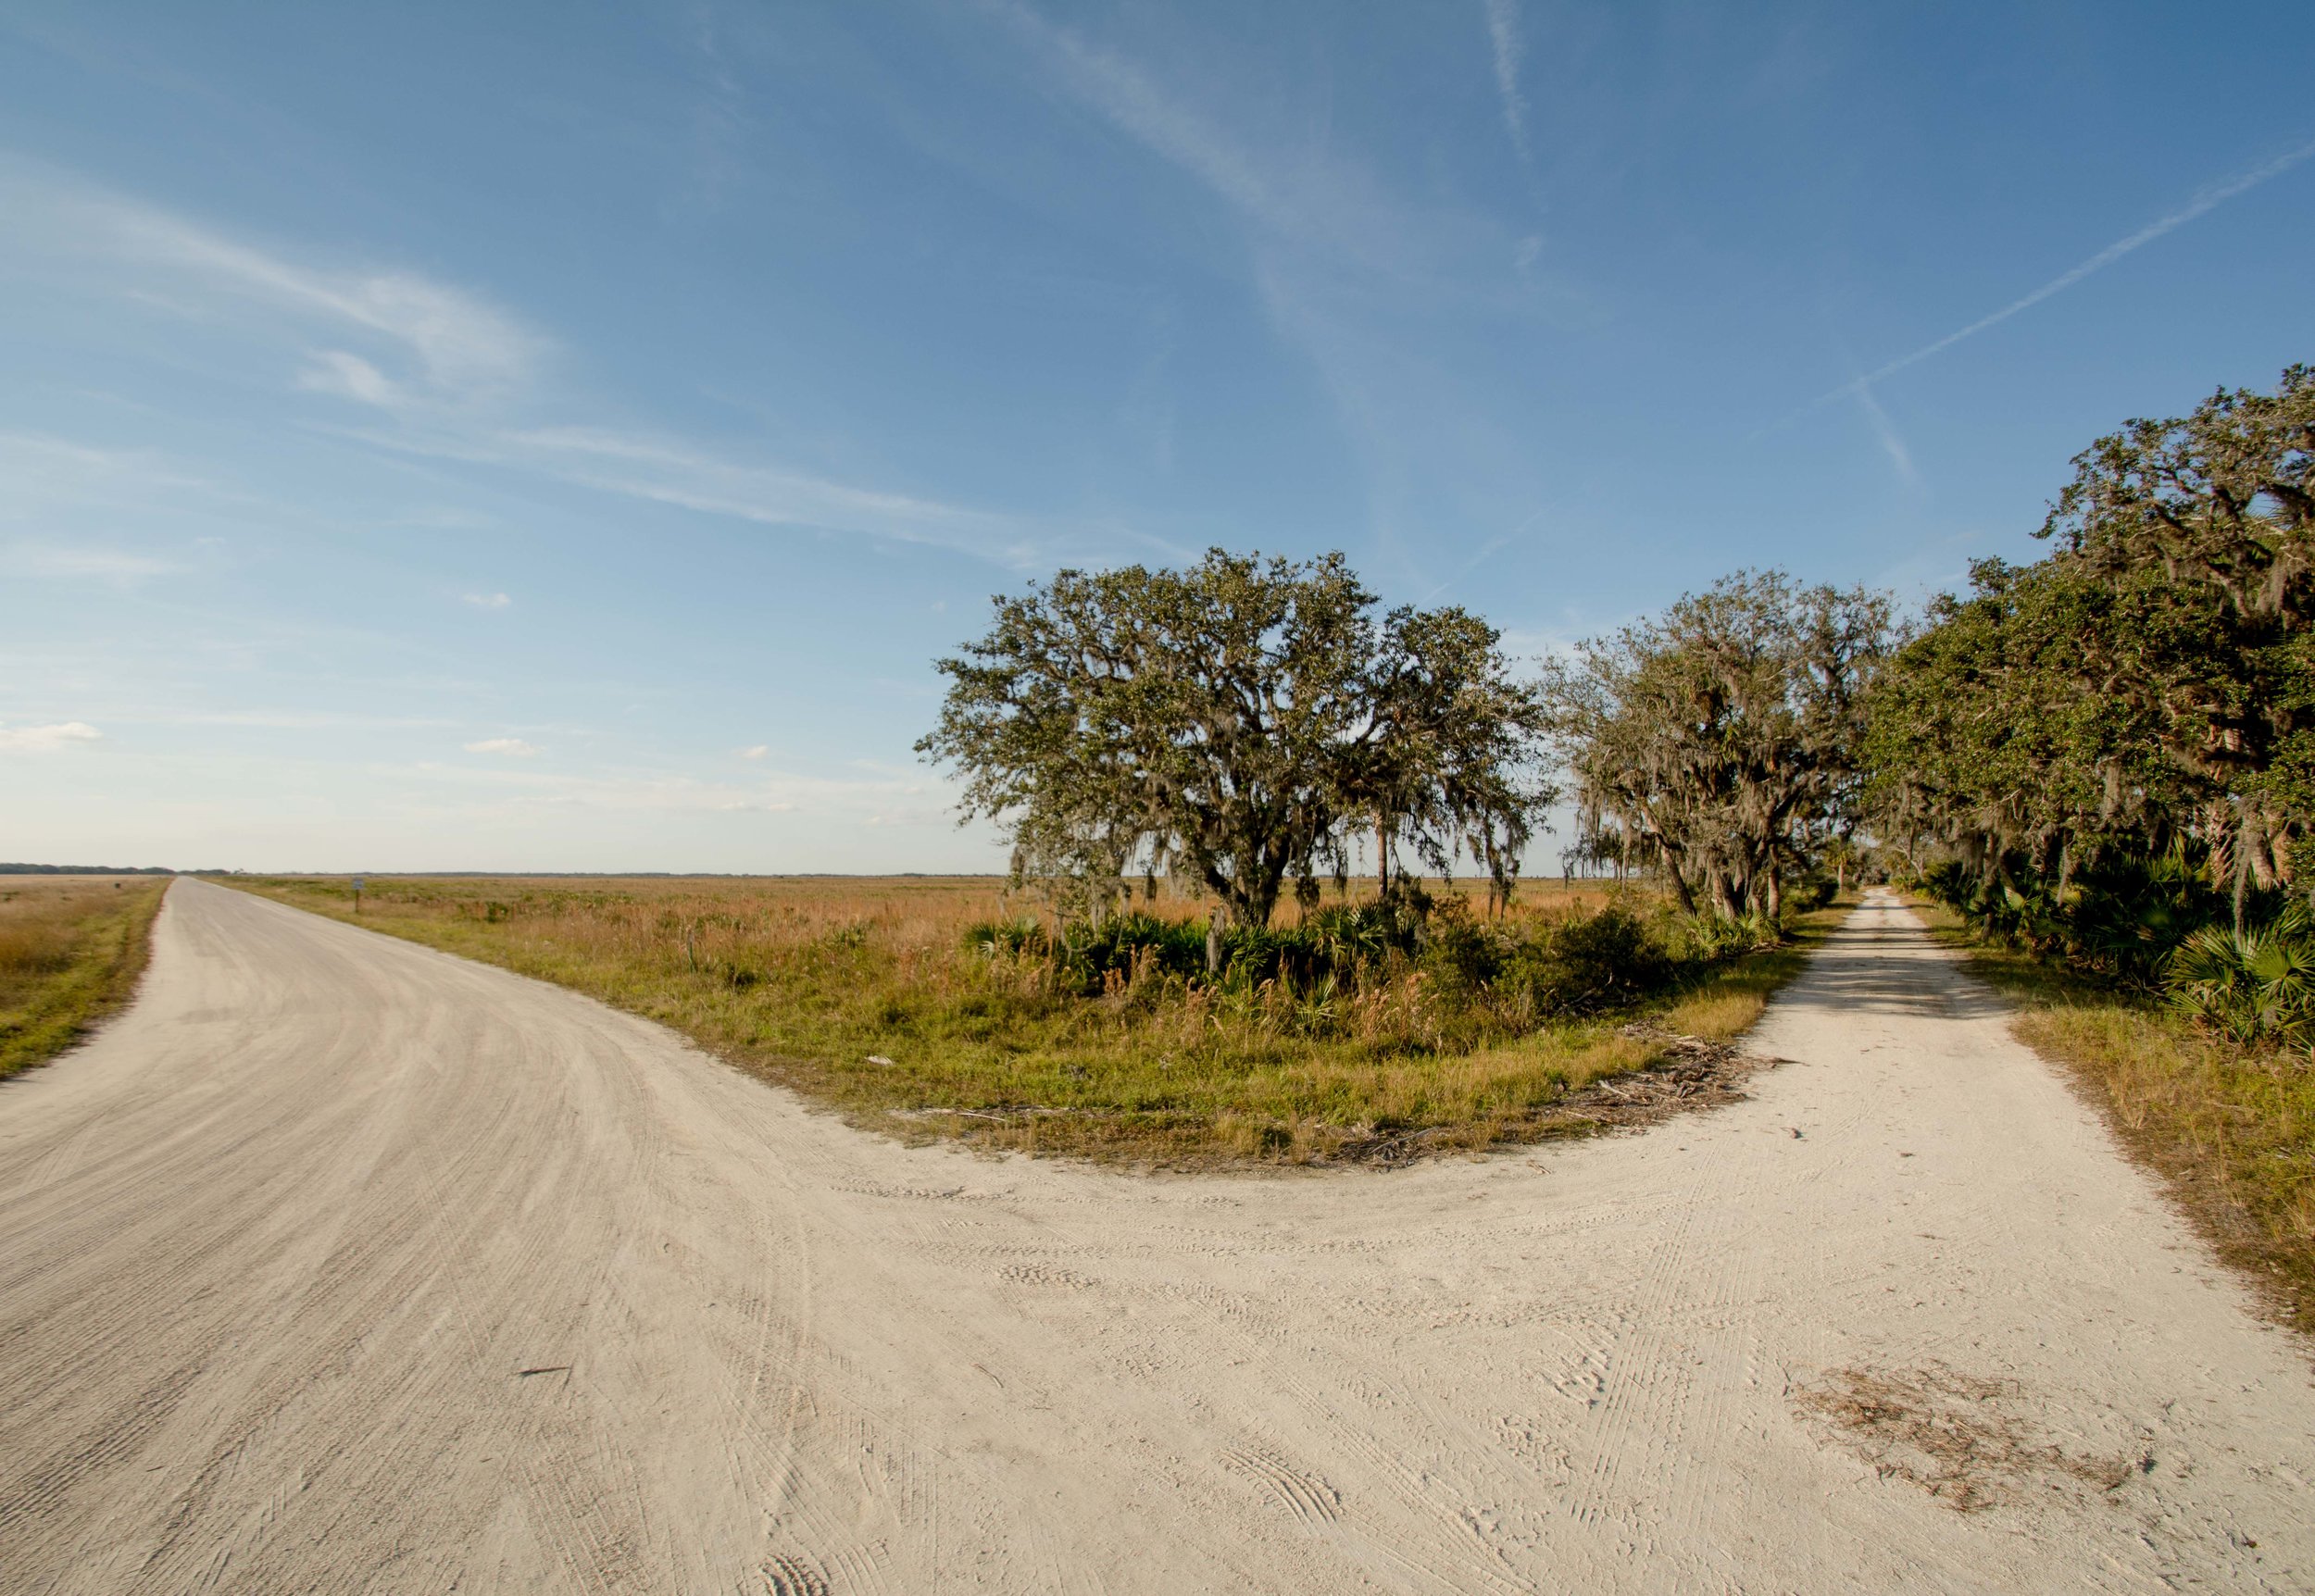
[(1775, 896), (1382, 856), (2257, 848), (1215, 923), (1723, 892), (1679, 885)]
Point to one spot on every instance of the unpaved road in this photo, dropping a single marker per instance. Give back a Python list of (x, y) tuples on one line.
[(340, 1264)]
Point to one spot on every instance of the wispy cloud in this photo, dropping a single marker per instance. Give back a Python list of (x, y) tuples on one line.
[(348, 376), (36, 468), (1356, 273), (672, 471), (94, 563), (514, 747), (1886, 432), (449, 375), (487, 601), (47, 739), (1508, 49), (1296, 192), (457, 345), (2208, 200), (760, 751)]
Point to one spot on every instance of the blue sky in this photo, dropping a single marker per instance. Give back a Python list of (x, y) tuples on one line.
[(563, 437)]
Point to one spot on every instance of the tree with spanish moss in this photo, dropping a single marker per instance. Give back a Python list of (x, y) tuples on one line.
[(1720, 738), (2212, 515), (1237, 724)]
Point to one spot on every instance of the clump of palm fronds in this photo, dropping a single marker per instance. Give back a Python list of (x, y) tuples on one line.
[(2252, 984)]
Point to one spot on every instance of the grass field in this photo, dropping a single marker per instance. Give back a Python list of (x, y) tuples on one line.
[(2230, 1130), (71, 950), (862, 995)]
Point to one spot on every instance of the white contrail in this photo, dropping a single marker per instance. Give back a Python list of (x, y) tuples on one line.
[(2209, 199), (1502, 37)]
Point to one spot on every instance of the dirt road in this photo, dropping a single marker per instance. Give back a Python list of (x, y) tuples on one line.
[(342, 1264)]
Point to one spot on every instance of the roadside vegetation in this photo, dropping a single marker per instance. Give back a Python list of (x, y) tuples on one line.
[(2230, 1128), (966, 1009), (73, 948), (2101, 767)]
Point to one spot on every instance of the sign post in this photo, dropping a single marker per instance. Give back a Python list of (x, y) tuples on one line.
[(358, 894)]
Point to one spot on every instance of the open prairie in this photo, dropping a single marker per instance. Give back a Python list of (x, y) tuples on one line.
[(873, 995), (71, 948)]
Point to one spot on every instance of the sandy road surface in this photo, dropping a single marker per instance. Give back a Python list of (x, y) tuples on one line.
[(340, 1264)]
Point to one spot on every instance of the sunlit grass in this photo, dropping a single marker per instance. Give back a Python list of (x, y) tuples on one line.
[(862, 995), (72, 949)]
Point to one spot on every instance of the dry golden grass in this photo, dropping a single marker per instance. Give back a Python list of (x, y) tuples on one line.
[(2230, 1130), (861, 994), (72, 949)]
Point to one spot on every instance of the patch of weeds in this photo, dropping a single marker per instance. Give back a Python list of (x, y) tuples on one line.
[(1966, 1439)]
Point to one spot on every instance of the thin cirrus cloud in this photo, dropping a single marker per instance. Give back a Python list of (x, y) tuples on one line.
[(1330, 213), (1353, 273), (451, 375), (458, 345), (1508, 49), (334, 371), (487, 601), (512, 747), (2209, 199), (39, 471), (47, 739), (664, 470), (90, 564)]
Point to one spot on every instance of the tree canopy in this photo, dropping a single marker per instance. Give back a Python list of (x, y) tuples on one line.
[(1237, 723), (1719, 740), (2145, 694)]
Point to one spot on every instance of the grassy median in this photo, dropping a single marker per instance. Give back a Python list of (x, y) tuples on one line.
[(870, 996), (2231, 1130), (71, 951)]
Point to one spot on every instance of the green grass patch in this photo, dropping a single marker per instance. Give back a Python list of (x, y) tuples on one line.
[(866, 997), (73, 949)]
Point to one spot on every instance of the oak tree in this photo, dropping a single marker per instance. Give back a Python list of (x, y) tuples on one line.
[(1233, 724)]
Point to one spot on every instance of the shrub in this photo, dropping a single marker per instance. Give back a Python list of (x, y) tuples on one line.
[(1463, 955), (1709, 938), (1005, 939), (1586, 965), (2120, 916), (1354, 936), (2252, 985), (1810, 892), (1609, 959)]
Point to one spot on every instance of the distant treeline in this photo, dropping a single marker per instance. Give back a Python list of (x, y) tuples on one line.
[(85, 870), (584, 875)]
